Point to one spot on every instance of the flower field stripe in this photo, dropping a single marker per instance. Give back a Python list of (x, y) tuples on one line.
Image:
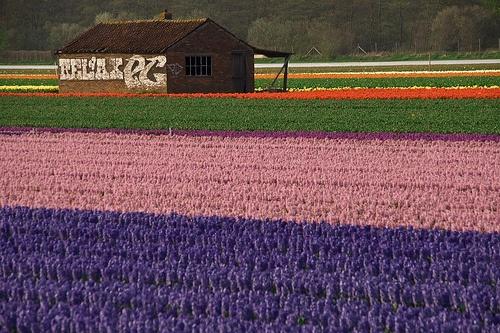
[(330, 75), (385, 83), (28, 77), (88, 271), (340, 94), (263, 134), (28, 89), (326, 89), (328, 83), (381, 75), (392, 183)]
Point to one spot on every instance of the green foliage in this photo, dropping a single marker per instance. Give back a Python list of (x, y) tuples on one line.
[(3, 39), (492, 5), (334, 27), (272, 33), (439, 116), (105, 17), (460, 28), (62, 33)]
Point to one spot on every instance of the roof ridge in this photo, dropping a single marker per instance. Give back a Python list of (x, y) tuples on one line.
[(199, 20)]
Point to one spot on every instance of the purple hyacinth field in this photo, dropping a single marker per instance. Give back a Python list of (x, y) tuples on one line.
[(105, 231), (102, 271)]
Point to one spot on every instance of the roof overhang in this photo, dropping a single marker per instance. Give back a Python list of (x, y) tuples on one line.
[(271, 53)]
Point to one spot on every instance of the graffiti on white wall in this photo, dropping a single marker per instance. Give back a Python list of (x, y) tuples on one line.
[(137, 71), (90, 69)]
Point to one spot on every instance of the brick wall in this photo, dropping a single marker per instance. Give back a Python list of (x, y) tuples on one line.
[(210, 40)]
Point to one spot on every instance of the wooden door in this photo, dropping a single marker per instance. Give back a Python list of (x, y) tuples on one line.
[(239, 72)]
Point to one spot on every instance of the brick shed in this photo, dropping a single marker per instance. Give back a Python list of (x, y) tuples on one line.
[(164, 55)]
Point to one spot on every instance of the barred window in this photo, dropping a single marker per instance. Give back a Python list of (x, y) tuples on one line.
[(199, 66)]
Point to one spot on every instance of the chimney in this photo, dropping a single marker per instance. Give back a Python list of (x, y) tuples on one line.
[(165, 15)]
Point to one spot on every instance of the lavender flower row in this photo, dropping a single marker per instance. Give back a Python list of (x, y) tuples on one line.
[(267, 134), (68, 270)]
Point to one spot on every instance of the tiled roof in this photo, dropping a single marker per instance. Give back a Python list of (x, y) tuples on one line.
[(147, 37)]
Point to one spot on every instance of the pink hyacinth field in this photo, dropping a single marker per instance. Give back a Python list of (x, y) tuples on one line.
[(431, 184)]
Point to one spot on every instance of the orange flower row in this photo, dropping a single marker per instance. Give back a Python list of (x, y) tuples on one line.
[(28, 76), (343, 94)]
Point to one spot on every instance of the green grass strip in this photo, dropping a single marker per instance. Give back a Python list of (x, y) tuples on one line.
[(482, 81), (426, 116), (28, 82)]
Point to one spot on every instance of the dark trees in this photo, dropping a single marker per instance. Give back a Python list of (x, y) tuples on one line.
[(333, 26)]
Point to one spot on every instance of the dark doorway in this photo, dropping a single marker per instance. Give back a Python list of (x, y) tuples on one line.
[(239, 72)]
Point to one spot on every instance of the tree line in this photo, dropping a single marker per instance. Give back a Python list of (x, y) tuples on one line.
[(333, 27)]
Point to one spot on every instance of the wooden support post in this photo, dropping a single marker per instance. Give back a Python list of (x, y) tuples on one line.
[(285, 79), (284, 69), (276, 78)]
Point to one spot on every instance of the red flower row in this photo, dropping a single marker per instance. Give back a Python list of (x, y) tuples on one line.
[(364, 93)]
